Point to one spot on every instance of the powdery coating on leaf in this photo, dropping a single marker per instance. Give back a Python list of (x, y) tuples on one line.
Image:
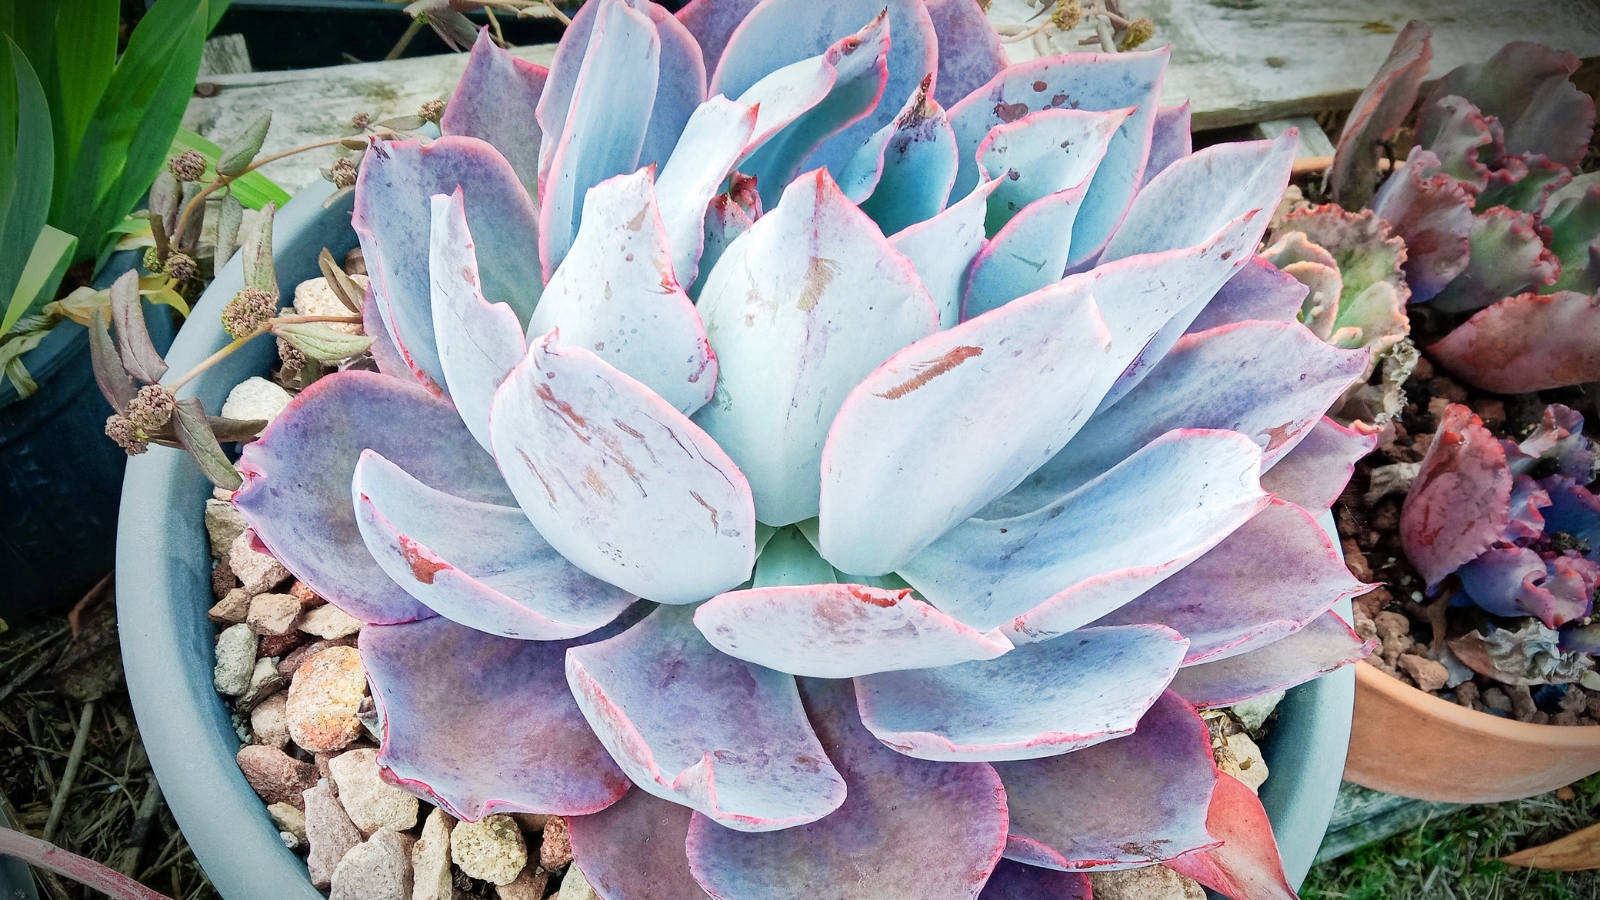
[(1270, 381), (1247, 865), (1517, 581), (1463, 138), (970, 52), (1525, 85), (479, 342), (1130, 802), (1460, 503), (481, 725), (788, 559), (1432, 212), (618, 481), (1170, 140), (908, 829), (296, 494), (603, 129), (1039, 700), (1257, 291), (393, 220), (690, 725), (942, 248), (1015, 881), (1090, 81), (1526, 343), (1508, 256), (1314, 473), (714, 138), (633, 850), (615, 295), (798, 311), (1268, 579), (384, 353), (1320, 647), (779, 32), (1045, 573), (1361, 244), (839, 630), (712, 22), (496, 101), (955, 420), (1378, 113), (681, 88), (478, 564), (915, 162)]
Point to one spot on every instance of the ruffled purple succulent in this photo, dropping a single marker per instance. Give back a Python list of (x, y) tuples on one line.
[(1498, 231), (830, 490), (1516, 523)]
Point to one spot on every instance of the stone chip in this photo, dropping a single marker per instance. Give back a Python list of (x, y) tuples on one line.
[(256, 570), (329, 833), (491, 849), (275, 776), (379, 869), (274, 614), (324, 698), (430, 859), (236, 659), (329, 622), (372, 803)]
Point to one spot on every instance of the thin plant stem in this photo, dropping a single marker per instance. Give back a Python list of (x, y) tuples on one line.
[(550, 4), (47, 856), (266, 327), (494, 24), (405, 39), (1102, 27), (223, 181), (70, 773)]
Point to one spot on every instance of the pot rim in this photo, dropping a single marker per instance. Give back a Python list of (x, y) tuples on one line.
[(1573, 737)]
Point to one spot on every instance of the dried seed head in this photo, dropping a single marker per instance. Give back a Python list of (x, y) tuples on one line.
[(247, 311), (153, 263), (342, 173), (150, 409), (1067, 15), (119, 429), (182, 267), (431, 111), (188, 166), (1139, 31), (360, 121), (294, 362)]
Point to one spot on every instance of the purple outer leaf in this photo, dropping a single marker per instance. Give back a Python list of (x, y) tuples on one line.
[(942, 248), (1170, 141), (1039, 700), (634, 849), (615, 295), (1463, 139), (385, 354), (604, 129), (1574, 510), (799, 310), (1320, 647), (908, 830), (496, 101), (1314, 473), (1378, 113), (393, 219), (1515, 581), (779, 32), (839, 630), (916, 448), (1090, 81), (1031, 217), (1508, 256), (1015, 881), (139, 357), (618, 481), (1247, 865), (1125, 803), (712, 22), (680, 90), (478, 564), (1460, 503), (481, 725), (1525, 85), (296, 493), (916, 164), (1257, 291), (688, 724), (1265, 581), (1047, 572), (479, 342), (1581, 638), (1432, 212), (855, 69), (1271, 381), (713, 140), (1526, 343), (970, 53)]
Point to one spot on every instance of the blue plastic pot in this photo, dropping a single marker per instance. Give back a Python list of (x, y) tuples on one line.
[(164, 589)]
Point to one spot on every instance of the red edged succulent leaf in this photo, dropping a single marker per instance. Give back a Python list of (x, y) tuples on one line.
[(1362, 246), (1314, 473), (1134, 801), (1460, 503), (1509, 255), (1574, 226), (634, 849), (1378, 113), (1170, 141), (1537, 178), (1258, 291), (712, 22), (1317, 649), (1529, 342), (712, 142), (1432, 212), (1517, 581), (1463, 138), (911, 163), (1525, 85), (1015, 881), (1247, 865), (495, 101), (970, 52), (908, 829)]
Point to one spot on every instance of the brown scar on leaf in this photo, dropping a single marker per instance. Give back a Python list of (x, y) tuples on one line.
[(596, 483), (819, 273), (422, 568), (929, 371), (637, 222), (709, 508)]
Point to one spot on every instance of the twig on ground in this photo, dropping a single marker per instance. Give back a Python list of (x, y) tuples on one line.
[(64, 789)]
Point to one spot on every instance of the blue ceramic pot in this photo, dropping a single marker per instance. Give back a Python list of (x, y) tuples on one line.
[(164, 589)]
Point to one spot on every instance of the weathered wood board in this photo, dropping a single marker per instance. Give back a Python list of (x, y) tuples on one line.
[(1237, 61)]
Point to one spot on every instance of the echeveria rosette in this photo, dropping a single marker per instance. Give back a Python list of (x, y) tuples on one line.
[(840, 442), (1496, 226), (1516, 523)]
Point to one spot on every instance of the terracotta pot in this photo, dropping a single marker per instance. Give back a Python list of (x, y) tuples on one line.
[(1408, 742)]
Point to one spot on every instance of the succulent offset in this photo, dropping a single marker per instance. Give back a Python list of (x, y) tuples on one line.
[(821, 460), (1501, 238)]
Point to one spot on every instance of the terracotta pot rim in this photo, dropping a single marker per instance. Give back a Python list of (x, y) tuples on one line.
[(1576, 737)]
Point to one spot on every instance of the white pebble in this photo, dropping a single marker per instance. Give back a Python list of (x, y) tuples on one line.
[(430, 859), (268, 722), (491, 848), (236, 659), (574, 887), (379, 869), (372, 803), (330, 623), (255, 398), (224, 522)]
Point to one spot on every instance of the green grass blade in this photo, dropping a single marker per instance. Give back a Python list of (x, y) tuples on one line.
[(48, 262), (254, 190), (86, 55), (34, 164)]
